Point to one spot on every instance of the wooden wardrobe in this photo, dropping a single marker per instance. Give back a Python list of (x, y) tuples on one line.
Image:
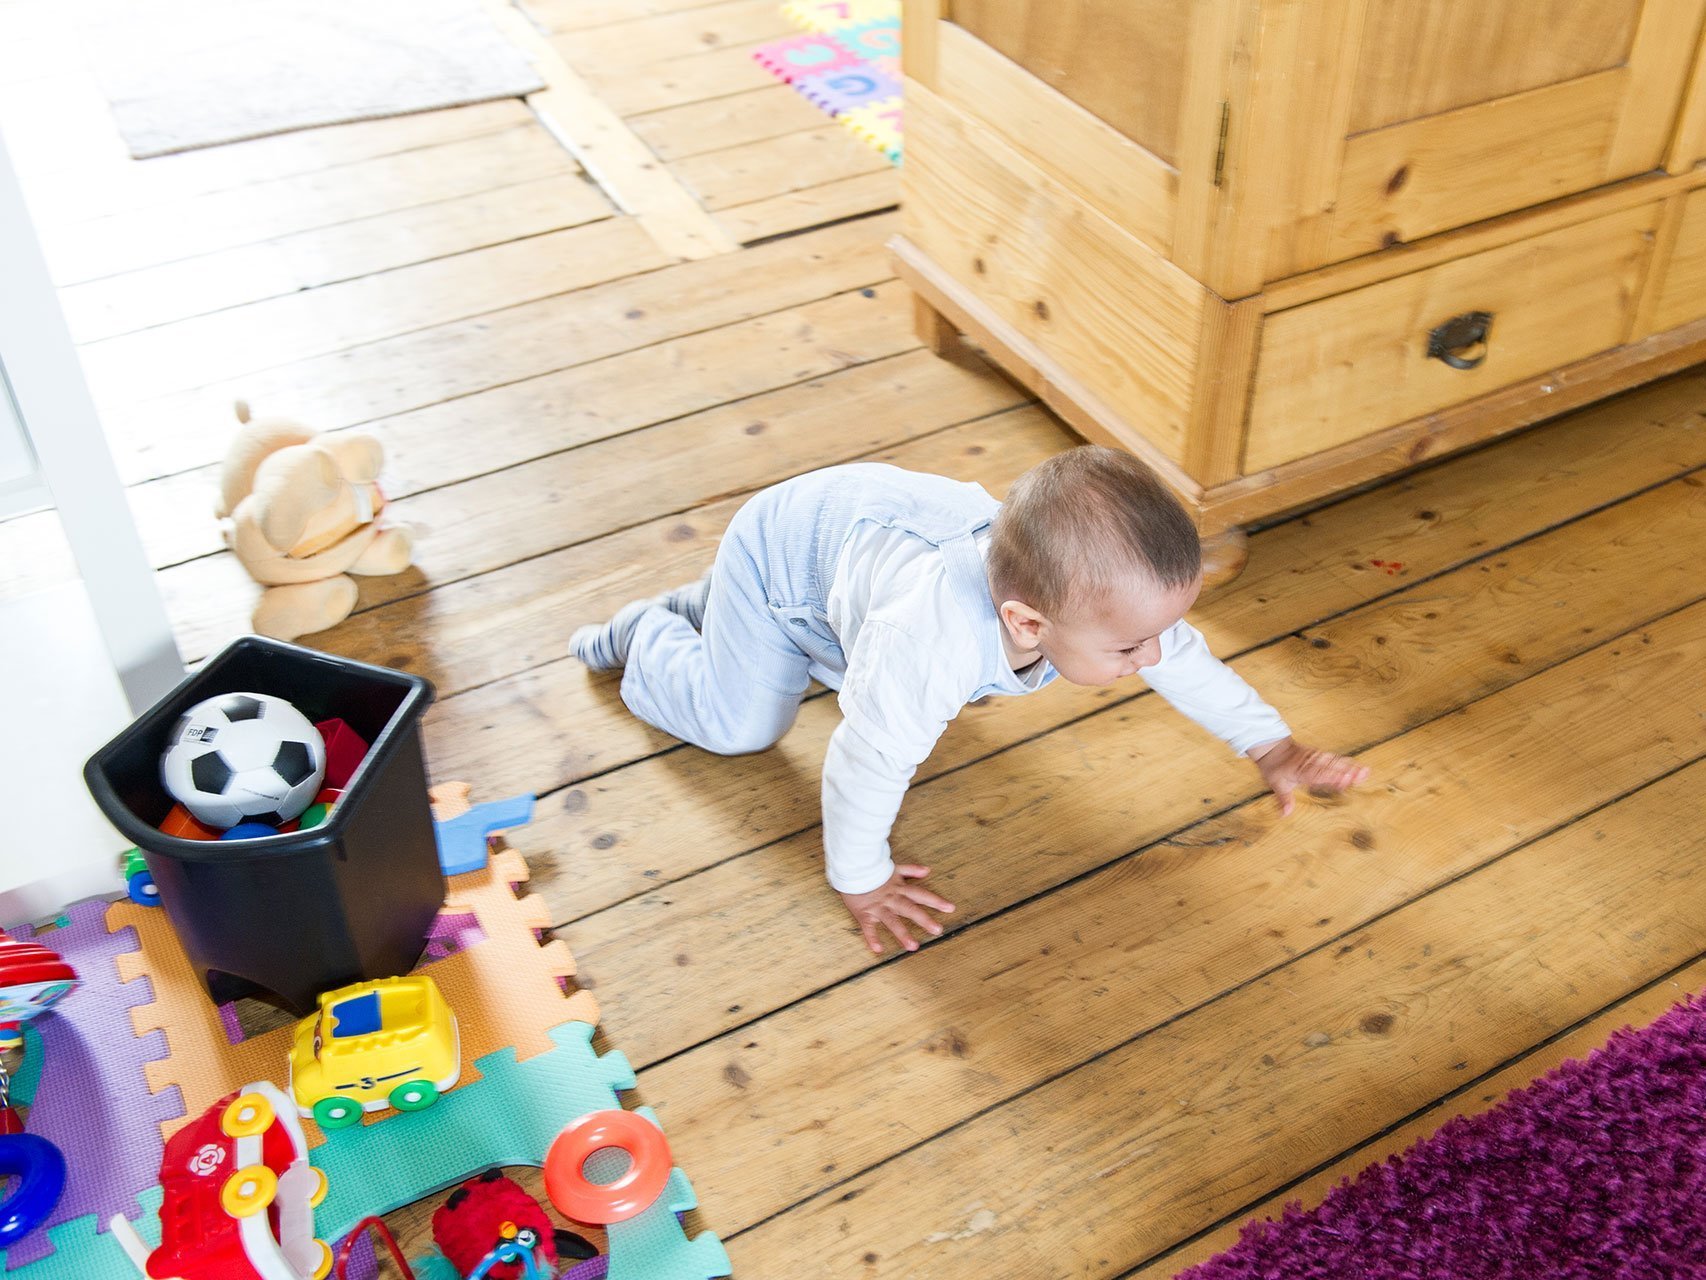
[(1278, 248)]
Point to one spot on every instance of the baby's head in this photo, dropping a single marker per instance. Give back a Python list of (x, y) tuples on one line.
[(1090, 560)]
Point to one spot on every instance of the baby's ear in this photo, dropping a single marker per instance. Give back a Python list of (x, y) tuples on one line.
[(1023, 623)]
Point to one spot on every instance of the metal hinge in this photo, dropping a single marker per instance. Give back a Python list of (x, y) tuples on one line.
[(1220, 149)]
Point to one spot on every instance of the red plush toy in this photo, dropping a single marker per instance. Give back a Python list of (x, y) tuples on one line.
[(491, 1209)]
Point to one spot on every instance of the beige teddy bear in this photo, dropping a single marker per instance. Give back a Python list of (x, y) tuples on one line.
[(301, 513)]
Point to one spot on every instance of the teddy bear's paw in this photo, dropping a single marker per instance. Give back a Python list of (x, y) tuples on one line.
[(295, 610), (389, 552)]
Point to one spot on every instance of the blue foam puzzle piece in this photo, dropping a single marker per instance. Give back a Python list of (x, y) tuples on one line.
[(462, 839)]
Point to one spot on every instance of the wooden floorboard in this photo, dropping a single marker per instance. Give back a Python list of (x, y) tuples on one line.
[(1159, 1009), (1107, 1164), (1128, 774), (199, 286)]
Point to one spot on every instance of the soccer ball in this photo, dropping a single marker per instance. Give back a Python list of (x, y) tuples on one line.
[(244, 757)]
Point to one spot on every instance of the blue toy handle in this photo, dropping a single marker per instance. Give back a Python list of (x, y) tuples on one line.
[(508, 1252), (40, 1170)]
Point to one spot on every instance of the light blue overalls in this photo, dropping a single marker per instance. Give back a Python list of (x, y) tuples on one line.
[(737, 686)]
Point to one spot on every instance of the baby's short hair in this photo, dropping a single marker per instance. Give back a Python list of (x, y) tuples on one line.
[(1076, 527)]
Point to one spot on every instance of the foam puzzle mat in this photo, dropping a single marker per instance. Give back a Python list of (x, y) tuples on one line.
[(138, 1051), (847, 63)]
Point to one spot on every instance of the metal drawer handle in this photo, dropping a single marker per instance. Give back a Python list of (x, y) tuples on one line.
[(1459, 334)]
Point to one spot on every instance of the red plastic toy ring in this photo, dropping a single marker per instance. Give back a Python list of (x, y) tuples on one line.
[(578, 1197)]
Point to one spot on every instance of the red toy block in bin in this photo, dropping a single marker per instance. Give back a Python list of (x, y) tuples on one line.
[(344, 751), (179, 823)]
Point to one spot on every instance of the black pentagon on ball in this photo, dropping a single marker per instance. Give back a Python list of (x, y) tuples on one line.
[(293, 763), (210, 773), (238, 707)]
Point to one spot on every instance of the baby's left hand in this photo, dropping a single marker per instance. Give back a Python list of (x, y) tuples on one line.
[(1288, 764)]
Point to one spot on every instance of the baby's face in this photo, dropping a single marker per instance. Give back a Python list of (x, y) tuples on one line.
[(1120, 638)]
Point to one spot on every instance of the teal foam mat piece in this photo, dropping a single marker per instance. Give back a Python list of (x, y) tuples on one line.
[(86, 1250), (653, 1244), (509, 1116)]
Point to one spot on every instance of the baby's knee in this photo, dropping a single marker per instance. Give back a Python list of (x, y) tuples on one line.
[(744, 740)]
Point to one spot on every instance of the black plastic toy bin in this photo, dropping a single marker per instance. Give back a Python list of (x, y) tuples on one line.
[(286, 917)]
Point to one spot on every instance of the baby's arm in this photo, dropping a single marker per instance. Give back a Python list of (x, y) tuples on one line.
[(1204, 688), (862, 790), (895, 704)]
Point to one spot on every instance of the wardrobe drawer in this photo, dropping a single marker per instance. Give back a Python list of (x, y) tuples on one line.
[(1332, 371)]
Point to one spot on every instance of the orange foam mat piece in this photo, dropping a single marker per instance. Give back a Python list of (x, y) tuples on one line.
[(507, 990)]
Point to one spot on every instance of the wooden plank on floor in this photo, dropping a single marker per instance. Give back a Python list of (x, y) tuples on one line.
[(1638, 1010), (573, 15), (458, 359), (310, 259), (620, 163), (659, 37), (741, 118), (95, 188), (260, 211), (1064, 803), (228, 345), (529, 510), (1111, 1163), (520, 421), (653, 811), (1299, 573), (675, 82), (814, 207), (1250, 851), (762, 170)]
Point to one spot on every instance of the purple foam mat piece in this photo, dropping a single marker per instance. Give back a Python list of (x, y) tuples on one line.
[(452, 934), (847, 88), (94, 1103), (233, 1025), (1597, 1170), (363, 1259)]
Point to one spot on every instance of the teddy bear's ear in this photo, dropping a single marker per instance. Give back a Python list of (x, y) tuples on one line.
[(290, 487)]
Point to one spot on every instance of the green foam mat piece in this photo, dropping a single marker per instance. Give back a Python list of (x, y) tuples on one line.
[(510, 1116)]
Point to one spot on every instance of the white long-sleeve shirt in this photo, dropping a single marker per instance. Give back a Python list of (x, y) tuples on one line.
[(913, 657)]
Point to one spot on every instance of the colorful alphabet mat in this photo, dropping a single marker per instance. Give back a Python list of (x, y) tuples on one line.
[(847, 63), (138, 1051)]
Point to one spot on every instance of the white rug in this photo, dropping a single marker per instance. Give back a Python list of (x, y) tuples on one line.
[(195, 73)]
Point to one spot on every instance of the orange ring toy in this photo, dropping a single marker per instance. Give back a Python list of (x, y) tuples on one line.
[(577, 1196)]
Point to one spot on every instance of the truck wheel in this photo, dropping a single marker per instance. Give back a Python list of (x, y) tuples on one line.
[(337, 1112), (414, 1095)]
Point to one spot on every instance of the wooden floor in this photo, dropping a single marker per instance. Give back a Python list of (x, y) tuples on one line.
[(1160, 1009)]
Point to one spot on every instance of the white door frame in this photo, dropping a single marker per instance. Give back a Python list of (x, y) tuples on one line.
[(40, 372)]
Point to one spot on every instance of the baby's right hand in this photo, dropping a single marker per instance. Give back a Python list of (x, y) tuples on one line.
[(892, 904)]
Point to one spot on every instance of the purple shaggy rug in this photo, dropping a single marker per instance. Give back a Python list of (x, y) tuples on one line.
[(1596, 1170)]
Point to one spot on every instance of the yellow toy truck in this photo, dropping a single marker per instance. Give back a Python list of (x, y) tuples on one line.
[(388, 1043)]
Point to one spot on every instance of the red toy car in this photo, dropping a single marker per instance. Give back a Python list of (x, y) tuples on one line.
[(240, 1197)]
